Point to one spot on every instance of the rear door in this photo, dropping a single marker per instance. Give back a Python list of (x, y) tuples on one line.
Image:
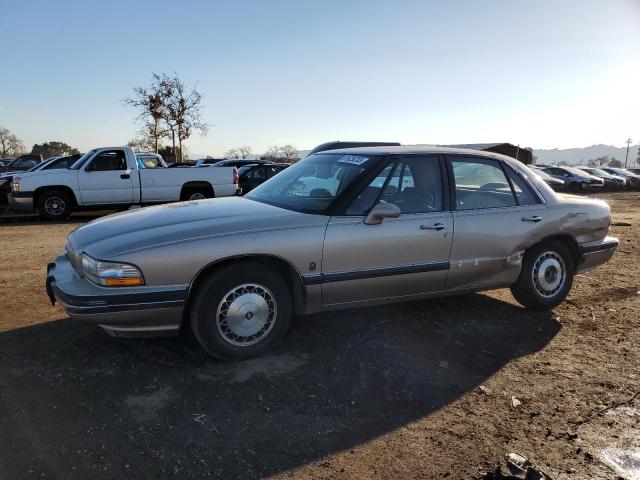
[(401, 257), (495, 213), (106, 179)]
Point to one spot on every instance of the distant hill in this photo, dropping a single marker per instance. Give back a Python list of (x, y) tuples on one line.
[(583, 155)]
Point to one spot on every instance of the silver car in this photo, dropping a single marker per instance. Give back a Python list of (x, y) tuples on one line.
[(342, 228)]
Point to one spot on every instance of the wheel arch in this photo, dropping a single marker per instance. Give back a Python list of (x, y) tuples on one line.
[(290, 275), (568, 241), (197, 184), (38, 192)]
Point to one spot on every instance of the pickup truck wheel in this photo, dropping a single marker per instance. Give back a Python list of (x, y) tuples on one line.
[(54, 205), (241, 311), (195, 194), (545, 278)]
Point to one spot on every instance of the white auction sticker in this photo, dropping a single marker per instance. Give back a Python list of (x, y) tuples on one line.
[(353, 159)]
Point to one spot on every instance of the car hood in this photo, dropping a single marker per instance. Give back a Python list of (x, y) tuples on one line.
[(149, 227)]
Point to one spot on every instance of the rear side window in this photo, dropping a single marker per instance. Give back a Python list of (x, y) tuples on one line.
[(480, 183), (523, 192)]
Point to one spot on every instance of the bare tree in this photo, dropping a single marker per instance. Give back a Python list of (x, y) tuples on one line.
[(10, 145), (232, 153), (181, 110), (143, 143), (290, 153), (150, 103), (245, 151), (240, 152), (272, 153)]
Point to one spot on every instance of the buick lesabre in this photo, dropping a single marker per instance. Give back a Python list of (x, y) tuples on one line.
[(342, 228)]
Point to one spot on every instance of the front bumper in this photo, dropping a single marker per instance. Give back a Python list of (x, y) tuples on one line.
[(122, 312), (21, 201), (596, 253)]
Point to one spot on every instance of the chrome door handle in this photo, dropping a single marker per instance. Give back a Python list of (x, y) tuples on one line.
[(435, 226), (535, 218)]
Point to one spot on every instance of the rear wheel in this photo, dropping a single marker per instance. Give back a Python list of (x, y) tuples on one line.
[(546, 276), (241, 311), (55, 205), (195, 194)]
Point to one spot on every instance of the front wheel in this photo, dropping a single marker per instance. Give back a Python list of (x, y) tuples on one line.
[(241, 311), (545, 278), (54, 205)]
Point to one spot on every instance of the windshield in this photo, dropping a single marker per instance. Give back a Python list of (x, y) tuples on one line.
[(39, 166), (541, 173), (310, 185), (81, 161), (597, 171)]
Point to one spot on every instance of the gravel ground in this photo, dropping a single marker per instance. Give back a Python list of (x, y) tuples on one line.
[(387, 392)]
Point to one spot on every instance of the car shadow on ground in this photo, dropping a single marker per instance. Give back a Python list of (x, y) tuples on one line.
[(76, 403)]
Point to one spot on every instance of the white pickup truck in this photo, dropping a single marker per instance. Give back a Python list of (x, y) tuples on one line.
[(114, 177)]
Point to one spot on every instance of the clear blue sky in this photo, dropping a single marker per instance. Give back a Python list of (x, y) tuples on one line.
[(554, 73)]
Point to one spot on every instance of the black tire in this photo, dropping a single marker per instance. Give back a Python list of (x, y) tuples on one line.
[(55, 205), (195, 193), (208, 314), (541, 294)]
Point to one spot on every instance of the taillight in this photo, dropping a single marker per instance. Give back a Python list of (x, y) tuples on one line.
[(235, 176)]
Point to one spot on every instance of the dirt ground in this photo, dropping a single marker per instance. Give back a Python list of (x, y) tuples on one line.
[(388, 392)]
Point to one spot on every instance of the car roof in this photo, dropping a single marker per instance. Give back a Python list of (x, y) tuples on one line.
[(411, 149)]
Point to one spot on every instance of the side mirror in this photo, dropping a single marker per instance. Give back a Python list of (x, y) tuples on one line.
[(381, 211)]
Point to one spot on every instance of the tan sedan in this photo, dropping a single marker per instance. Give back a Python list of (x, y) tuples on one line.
[(342, 228)]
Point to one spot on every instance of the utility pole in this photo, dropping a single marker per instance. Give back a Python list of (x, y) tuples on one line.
[(627, 156)]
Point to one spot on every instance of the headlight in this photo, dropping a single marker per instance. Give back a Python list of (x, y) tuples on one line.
[(111, 274), (15, 184)]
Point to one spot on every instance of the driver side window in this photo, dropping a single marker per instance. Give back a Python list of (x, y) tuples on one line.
[(413, 184), (108, 161)]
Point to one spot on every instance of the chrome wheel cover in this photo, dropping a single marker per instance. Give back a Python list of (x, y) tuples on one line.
[(54, 206), (246, 314), (197, 196), (549, 274)]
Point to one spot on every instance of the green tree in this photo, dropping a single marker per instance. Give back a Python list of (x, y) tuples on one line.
[(54, 149)]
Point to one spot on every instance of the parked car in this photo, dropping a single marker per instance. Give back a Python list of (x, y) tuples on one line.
[(575, 179), (250, 176), (110, 177), (22, 163), (379, 230), (49, 164), (635, 171), (611, 181), (239, 162), (207, 162), (5, 161), (633, 180), (555, 183)]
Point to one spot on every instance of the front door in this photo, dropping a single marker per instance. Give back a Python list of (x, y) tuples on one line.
[(495, 214), (106, 179), (401, 257)]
